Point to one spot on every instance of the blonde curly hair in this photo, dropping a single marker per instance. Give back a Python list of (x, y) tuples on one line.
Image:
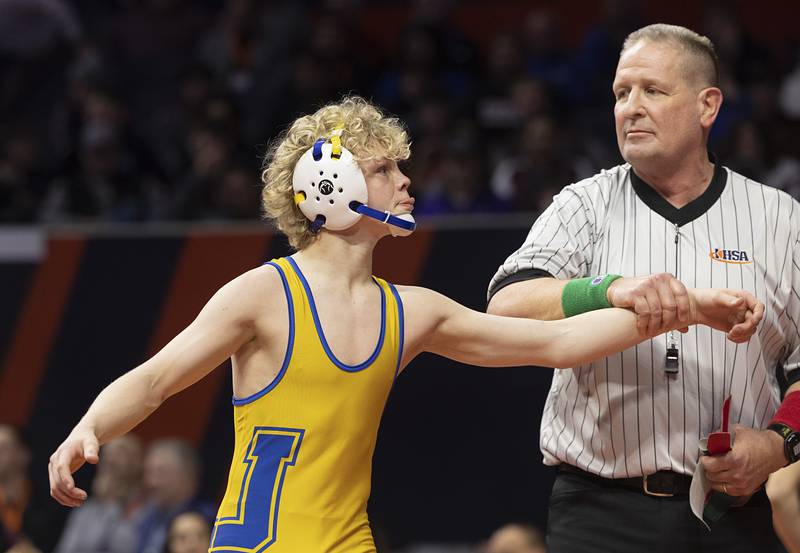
[(366, 131)]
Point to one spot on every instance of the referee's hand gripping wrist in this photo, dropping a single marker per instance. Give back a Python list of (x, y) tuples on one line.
[(660, 301)]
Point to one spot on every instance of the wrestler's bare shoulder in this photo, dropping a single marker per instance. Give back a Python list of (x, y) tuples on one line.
[(419, 298), (254, 293), (424, 310)]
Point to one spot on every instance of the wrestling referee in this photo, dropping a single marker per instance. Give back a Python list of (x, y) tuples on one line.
[(624, 430)]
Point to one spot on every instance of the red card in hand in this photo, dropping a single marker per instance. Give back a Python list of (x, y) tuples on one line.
[(721, 442)]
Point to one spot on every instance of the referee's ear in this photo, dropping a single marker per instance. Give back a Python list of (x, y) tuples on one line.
[(709, 101)]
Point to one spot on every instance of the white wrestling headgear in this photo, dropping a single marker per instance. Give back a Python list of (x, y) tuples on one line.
[(330, 190)]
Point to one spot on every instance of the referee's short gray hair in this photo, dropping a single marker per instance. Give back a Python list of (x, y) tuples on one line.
[(703, 64)]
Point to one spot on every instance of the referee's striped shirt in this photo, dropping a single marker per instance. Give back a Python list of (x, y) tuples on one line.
[(623, 416)]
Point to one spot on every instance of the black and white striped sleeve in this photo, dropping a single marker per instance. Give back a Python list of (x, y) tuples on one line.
[(559, 244)]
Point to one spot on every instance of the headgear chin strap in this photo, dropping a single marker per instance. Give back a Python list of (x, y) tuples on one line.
[(402, 224), (330, 190)]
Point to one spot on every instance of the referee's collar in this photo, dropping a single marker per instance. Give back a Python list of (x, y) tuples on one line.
[(692, 210)]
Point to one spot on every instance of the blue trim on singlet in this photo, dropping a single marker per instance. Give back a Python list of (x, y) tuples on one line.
[(400, 326), (321, 332), (289, 346)]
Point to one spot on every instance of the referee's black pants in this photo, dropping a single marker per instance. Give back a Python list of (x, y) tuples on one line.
[(594, 517)]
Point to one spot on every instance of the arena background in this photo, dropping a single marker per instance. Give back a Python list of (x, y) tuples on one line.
[(88, 292)]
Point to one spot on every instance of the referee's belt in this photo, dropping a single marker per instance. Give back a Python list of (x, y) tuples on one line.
[(663, 483)]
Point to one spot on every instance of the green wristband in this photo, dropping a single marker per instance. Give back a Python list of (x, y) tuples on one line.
[(586, 294)]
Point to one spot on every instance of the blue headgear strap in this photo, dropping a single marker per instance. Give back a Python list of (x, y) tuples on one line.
[(317, 224), (382, 216), (317, 153)]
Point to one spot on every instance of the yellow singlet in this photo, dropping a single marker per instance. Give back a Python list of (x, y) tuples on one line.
[(302, 464)]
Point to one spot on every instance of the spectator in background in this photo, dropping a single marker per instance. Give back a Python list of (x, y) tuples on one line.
[(104, 524), (754, 77), (327, 60), (596, 58), (431, 56), (516, 538), (197, 86), (748, 151), (502, 118), (413, 73), (786, 176), (589, 101), (237, 196), (111, 176), (22, 181), (152, 43), (431, 124), (504, 64), (740, 55), (14, 485), (546, 57), (506, 95), (765, 111), (171, 474), (458, 183), (37, 39), (438, 17), (27, 521), (530, 97), (189, 532), (790, 89), (105, 183), (250, 50), (210, 152), (543, 164), (221, 113)]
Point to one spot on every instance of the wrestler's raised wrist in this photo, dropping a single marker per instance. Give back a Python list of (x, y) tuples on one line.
[(695, 313)]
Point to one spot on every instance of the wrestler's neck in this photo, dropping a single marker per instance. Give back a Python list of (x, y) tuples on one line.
[(679, 182), (344, 256)]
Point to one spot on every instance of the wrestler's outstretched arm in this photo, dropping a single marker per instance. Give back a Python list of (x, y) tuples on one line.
[(440, 325), (226, 322)]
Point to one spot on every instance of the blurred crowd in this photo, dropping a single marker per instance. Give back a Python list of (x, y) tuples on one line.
[(146, 500), (160, 110), (141, 500)]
